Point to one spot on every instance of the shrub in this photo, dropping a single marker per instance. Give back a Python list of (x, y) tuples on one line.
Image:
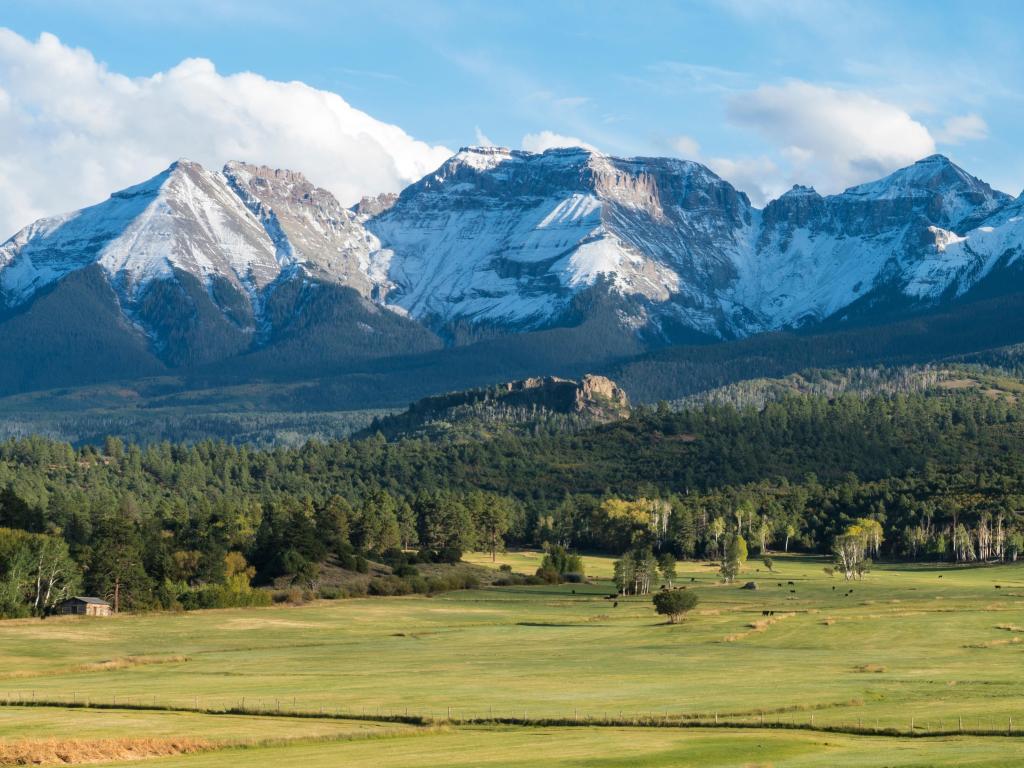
[(347, 561), (355, 589), (362, 566), (450, 555), (573, 578), (418, 585), (505, 568), (561, 560), (675, 603), (405, 571), (549, 575), (426, 556), (389, 586), (330, 593), (291, 595)]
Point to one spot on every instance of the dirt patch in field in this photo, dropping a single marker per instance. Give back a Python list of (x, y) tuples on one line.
[(760, 625), (870, 668), (80, 751)]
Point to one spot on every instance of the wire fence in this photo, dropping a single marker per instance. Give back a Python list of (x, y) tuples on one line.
[(265, 706)]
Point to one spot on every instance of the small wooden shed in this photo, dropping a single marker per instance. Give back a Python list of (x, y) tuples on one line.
[(84, 606)]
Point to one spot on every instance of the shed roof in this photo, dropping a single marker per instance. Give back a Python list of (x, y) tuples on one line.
[(90, 600)]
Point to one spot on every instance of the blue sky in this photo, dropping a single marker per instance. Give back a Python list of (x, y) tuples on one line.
[(767, 93)]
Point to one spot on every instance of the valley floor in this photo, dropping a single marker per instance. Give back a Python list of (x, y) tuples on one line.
[(920, 650)]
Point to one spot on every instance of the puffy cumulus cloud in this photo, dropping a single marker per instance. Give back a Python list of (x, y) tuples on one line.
[(961, 128), (538, 142), (827, 137), (72, 131)]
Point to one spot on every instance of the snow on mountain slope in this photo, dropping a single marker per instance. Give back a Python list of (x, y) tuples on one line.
[(958, 262), (816, 255), (308, 225), (507, 237), (184, 218)]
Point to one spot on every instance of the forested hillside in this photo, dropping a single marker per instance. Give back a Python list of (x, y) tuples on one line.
[(941, 471)]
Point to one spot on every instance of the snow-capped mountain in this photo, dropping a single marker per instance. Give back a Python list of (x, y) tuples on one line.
[(261, 266), (507, 237), (504, 237), (208, 264), (185, 218)]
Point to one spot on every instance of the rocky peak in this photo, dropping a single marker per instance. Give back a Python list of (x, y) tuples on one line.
[(799, 207), (935, 190), (519, 405), (308, 225), (367, 207)]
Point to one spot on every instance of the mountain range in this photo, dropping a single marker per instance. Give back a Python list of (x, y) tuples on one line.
[(499, 264)]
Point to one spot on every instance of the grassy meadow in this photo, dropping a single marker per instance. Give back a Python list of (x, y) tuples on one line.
[(931, 647)]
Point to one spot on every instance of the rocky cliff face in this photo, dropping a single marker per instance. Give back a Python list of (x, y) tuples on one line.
[(507, 238), (541, 402), (309, 226)]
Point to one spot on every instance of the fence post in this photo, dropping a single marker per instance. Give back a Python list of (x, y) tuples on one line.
[(960, 723), (911, 726)]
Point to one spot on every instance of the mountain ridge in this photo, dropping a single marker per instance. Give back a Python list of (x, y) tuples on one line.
[(257, 271)]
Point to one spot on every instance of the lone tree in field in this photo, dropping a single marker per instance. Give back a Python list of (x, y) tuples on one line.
[(675, 603), (734, 558)]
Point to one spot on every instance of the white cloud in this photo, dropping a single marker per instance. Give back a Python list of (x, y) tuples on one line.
[(685, 146), (538, 142), (758, 176), (961, 128), (72, 131), (830, 138), (482, 139)]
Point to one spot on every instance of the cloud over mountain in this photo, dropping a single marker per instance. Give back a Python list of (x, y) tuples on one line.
[(71, 129), (831, 138)]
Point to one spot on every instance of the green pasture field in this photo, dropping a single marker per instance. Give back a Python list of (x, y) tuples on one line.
[(528, 561), (912, 646)]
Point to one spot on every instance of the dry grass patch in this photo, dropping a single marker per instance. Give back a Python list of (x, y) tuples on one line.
[(759, 625), (126, 662), (1010, 627), (79, 751), (995, 643)]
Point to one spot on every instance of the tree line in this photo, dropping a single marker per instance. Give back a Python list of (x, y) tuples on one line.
[(940, 472)]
